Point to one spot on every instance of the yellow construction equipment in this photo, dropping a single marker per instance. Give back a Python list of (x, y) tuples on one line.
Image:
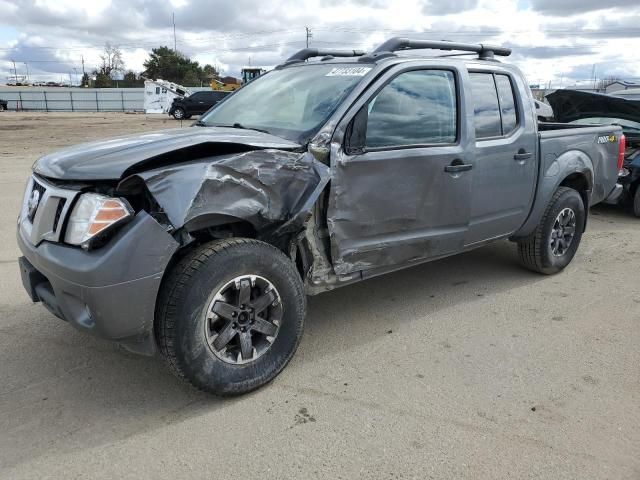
[(223, 87), (248, 74)]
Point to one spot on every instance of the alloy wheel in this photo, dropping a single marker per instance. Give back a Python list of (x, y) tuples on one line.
[(563, 232), (243, 319)]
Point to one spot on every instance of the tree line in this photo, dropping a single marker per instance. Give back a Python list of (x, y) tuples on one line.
[(163, 62)]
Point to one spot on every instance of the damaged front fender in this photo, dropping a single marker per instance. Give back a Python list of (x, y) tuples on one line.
[(273, 190)]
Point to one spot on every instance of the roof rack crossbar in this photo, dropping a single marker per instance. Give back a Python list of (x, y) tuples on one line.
[(486, 52), (307, 53)]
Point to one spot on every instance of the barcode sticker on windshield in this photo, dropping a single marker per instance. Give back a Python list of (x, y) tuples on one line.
[(348, 72)]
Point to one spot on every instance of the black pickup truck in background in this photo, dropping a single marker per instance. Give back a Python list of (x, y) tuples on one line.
[(587, 108)]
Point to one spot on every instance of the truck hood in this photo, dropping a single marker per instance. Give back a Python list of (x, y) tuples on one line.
[(570, 105), (111, 159)]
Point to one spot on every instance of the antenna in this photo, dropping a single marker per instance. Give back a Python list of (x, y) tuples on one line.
[(175, 44), (309, 35)]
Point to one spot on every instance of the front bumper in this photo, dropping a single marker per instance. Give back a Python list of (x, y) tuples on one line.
[(109, 292)]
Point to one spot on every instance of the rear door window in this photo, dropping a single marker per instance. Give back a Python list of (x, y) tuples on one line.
[(507, 104), (486, 106)]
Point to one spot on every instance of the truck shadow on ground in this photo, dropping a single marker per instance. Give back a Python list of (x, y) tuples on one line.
[(62, 389), (361, 312)]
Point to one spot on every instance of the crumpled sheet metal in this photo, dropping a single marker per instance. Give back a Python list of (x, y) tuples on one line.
[(268, 188)]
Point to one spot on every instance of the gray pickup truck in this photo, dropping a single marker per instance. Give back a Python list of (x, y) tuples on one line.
[(203, 242)]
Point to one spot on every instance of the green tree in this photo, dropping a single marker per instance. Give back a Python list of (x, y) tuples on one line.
[(102, 80), (131, 80), (167, 64)]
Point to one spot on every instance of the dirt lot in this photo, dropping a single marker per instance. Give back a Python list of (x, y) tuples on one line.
[(465, 368)]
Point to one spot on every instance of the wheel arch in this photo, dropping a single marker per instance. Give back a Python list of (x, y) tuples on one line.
[(572, 169)]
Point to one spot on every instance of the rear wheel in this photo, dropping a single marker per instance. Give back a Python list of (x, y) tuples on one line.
[(2, 107), (554, 242), (230, 315), (178, 113)]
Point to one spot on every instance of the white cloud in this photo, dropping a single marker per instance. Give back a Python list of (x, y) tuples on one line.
[(553, 40)]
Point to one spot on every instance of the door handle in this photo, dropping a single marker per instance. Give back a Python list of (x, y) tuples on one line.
[(522, 155), (458, 167)]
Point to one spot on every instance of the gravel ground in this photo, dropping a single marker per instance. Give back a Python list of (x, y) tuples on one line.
[(469, 367)]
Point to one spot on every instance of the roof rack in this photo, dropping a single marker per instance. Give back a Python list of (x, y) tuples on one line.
[(307, 53), (485, 52)]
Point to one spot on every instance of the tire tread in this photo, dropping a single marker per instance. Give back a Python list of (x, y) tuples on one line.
[(530, 248), (173, 289)]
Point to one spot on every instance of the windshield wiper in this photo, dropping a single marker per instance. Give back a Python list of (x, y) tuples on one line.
[(243, 127)]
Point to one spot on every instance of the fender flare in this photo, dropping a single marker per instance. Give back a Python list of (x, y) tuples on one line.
[(565, 169)]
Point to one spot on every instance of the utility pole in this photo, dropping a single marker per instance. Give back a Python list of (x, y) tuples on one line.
[(27, 67), (15, 72), (83, 74), (175, 45), (309, 35)]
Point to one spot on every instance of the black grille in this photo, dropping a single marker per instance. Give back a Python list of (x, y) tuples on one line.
[(32, 211), (56, 219)]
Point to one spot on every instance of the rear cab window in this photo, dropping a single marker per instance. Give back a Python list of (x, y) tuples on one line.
[(495, 112)]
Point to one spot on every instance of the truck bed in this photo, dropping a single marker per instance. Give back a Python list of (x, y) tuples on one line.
[(589, 145)]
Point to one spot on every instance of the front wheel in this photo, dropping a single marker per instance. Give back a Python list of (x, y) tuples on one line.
[(230, 315), (554, 242)]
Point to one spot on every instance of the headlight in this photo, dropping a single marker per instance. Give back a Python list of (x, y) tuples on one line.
[(94, 214)]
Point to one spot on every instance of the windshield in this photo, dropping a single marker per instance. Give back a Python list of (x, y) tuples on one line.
[(292, 103), (625, 124)]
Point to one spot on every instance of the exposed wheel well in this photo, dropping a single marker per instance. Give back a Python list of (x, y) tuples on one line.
[(222, 227), (580, 183)]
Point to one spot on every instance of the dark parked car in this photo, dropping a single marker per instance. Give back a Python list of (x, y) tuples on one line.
[(203, 242), (195, 104), (3, 105)]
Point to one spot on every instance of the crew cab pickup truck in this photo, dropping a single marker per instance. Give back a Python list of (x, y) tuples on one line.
[(202, 243)]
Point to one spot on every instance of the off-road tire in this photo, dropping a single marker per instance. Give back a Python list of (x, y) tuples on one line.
[(179, 113), (185, 297), (2, 107), (535, 252), (636, 202)]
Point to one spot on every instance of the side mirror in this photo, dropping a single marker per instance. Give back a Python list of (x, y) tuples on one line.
[(357, 132)]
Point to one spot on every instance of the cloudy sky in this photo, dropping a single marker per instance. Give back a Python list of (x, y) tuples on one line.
[(556, 41)]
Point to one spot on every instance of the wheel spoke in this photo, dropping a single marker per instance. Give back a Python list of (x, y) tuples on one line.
[(224, 310), (246, 347), (563, 244), (244, 292), (262, 302), (225, 336), (569, 230), (265, 327)]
